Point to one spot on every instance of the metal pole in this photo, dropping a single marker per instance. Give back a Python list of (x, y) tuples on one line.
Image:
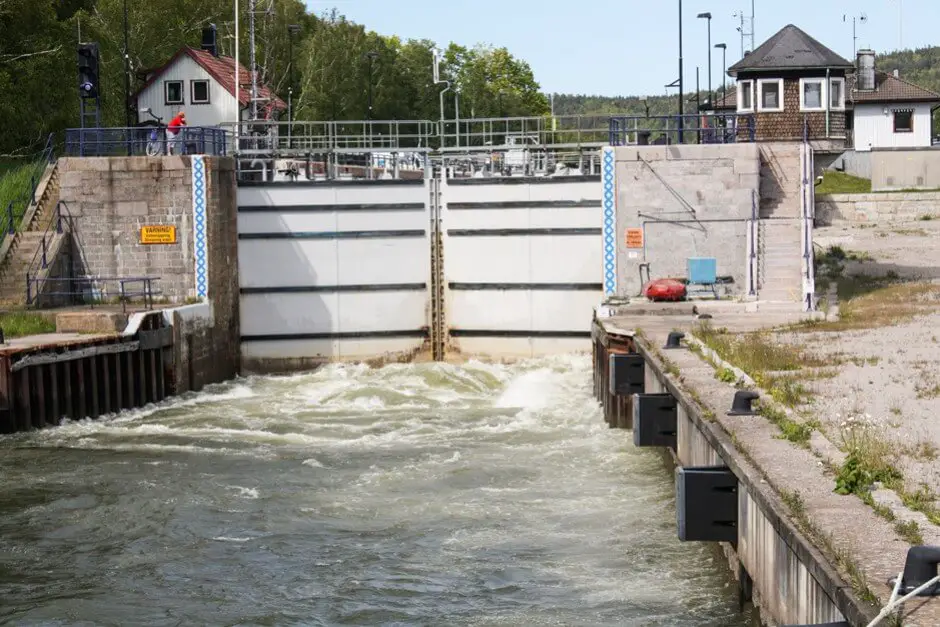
[(238, 121), (371, 68), (724, 72), (710, 60), (251, 60), (752, 25), (698, 109), (457, 113), (681, 95), (127, 73)]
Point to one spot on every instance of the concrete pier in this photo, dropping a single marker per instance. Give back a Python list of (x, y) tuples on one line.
[(778, 567)]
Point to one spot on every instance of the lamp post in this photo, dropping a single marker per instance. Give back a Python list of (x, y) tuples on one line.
[(708, 17), (292, 29), (127, 73), (681, 107), (372, 56), (724, 69)]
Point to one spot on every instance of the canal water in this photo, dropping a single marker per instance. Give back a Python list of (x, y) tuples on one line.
[(422, 494)]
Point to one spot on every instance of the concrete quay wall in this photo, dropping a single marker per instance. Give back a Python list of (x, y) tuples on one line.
[(879, 207), (777, 566)]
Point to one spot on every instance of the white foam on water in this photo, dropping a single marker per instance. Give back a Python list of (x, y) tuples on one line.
[(245, 493), (312, 463), (231, 539)]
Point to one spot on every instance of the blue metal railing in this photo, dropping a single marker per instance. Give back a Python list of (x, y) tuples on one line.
[(144, 140), (712, 128)]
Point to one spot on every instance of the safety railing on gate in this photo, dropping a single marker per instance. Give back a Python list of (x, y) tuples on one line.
[(145, 140), (357, 136), (559, 131), (711, 128)]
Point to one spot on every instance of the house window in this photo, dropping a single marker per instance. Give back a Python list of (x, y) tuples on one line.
[(904, 121), (746, 96), (199, 92), (812, 95), (837, 93), (770, 94), (173, 92)]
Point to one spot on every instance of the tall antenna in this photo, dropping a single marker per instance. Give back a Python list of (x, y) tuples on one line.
[(900, 25), (251, 61), (861, 20), (746, 31)]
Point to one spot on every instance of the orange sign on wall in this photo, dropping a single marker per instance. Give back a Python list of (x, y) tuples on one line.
[(634, 238)]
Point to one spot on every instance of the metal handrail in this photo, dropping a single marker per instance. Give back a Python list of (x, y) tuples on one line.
[(92, 285), (134, 140), (708, 128), (40, 259)]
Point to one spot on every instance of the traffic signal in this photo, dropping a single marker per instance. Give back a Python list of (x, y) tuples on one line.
[(88, 70)]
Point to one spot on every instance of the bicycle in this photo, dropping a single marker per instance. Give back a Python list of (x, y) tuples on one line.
[(155, 143)]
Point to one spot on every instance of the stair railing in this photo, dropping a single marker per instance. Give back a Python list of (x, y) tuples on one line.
[(61, 221), (807, 198)]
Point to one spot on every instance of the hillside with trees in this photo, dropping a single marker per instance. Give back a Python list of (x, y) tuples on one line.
[(332, 59)]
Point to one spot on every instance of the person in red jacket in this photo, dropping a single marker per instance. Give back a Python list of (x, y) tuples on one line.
[(173, 130)]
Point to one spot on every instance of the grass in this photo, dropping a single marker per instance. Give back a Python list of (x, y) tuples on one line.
[(841, 183), (22, 323), (15, 186), (791, 430)]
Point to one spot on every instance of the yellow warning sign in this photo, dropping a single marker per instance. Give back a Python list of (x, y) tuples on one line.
[(158, 234), (634, 238)]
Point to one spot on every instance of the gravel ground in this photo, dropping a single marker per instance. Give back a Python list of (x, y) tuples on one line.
[(889, 378)]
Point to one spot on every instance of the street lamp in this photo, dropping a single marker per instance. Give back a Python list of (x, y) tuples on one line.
[(292, 29), (372, 56), (724, 69), (681, 107), (708, 16)]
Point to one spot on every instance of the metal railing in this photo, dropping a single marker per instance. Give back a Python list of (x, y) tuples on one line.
[(807, 212), (94, 290), (41, 258), (17, 206), (144, 140), (355, 136), (712, 128), (560, 131)]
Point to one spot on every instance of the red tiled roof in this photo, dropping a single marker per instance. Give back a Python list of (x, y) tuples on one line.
[(222, 69), (730, 100), (889, 88)]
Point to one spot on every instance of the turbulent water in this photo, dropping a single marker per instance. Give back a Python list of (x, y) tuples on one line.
[(412, 494)]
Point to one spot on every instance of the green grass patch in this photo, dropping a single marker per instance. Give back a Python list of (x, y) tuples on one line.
[(791, 430), (22, 323), (16, 179), (840, 183)]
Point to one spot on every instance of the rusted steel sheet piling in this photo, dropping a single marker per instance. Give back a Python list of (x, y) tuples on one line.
[(84, 378), (618, 410)]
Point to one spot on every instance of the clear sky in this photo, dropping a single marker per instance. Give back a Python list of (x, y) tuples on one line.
[(630, 47)]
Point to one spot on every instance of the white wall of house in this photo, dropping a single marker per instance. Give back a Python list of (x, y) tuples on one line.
[(222, 106), (874, 126)]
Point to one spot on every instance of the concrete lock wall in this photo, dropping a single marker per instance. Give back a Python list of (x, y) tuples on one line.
[(880, 207), (677, 202), (522, 263), (112, 199)]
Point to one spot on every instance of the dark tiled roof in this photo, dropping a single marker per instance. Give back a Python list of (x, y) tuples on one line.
[(222, 69), (790, 49), (888, 88)]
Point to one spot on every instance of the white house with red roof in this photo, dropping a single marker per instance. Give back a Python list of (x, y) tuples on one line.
[(202, 85)]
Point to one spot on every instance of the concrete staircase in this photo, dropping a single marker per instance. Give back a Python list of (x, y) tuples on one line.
[(779, 268), (20, 249)]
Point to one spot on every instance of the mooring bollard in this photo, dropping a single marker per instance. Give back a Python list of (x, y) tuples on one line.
[(674, 339), (741, 405)]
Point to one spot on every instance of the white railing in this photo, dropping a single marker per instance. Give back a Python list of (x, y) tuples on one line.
[(807, 212)]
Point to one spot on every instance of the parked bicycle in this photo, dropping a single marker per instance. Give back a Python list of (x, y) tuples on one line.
[(157, 142)]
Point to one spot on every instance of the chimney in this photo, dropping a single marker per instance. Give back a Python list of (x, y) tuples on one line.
[(865, 66), (209, 40), (897, 74)]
